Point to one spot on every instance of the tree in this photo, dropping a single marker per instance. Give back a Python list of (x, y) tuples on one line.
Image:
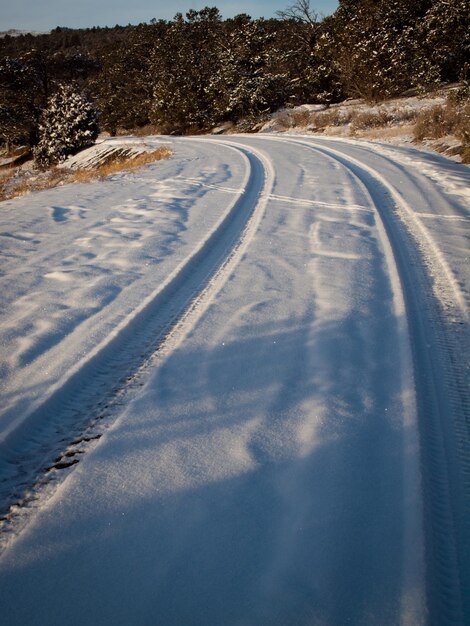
[(68, 124), (444, 34), (183, 61), (300, 11), (248, 80), (24, 85), (375, 46), (123, 89), (324, 72)]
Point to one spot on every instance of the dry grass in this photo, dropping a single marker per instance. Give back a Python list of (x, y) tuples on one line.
[(120, 164), (446, 119), (388, 132), (283, 120), (462, 129), (381, 118), (451, 118), (16, 183), (465, 154), (331, 117), (144, 131), (6, 180), (370, 119), (434, 123), (300, 117)]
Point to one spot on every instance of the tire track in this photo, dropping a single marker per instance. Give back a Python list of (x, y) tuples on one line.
[(437, 340), (52, 438)]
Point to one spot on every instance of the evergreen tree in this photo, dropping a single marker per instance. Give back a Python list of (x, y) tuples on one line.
[(68, 124), (375, 46), (123, 89), (444, 35), (183, 61), (24, 84), (247, 80), (323, 73), (197, 70)]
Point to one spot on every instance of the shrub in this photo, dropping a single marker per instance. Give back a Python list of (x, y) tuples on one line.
[(381, 117), (462, 128), (442, 120), (301, 117), (371, 119), (330, 117)]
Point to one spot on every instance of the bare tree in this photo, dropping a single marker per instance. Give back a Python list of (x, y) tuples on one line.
[(300, 11)]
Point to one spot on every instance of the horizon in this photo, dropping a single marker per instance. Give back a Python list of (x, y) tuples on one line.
[(29, 16)]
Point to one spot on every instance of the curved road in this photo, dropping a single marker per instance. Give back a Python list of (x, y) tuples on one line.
[(290, 441)]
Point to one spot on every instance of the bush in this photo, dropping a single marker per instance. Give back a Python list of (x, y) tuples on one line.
[(381, 117), (330, 117), (444, 119), (462, 128), (301, 117), (371, 119)]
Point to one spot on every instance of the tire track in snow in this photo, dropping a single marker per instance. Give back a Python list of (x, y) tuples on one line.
[(443, 395), (77, 412)]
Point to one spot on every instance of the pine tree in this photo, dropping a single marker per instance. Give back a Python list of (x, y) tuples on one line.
[(444, 34), (182, 63), (375, 46), (23, 94), (248, 80), (68, 124), (123, 89)]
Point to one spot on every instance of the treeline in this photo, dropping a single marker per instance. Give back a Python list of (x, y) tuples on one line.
[(198, 70)]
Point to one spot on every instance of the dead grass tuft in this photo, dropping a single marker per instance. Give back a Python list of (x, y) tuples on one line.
[(381, 118), (6, 180), (462, 128), (15, 183), (450, 118)]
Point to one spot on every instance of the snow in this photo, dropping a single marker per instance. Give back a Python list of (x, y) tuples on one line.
[(77, 262), (293, 420)]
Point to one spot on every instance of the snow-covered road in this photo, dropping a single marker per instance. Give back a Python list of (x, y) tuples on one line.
[(258, 350)]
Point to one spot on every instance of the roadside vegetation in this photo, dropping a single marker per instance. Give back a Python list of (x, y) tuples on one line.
[(16, 182), (450, 118), (199, 71), (440, 120)]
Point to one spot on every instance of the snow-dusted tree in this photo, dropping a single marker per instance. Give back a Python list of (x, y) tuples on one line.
[(323, 72), (249, 79), (23, 94), (444, 34), (183, 60), (123, 89), (68, 124), (375, 44)]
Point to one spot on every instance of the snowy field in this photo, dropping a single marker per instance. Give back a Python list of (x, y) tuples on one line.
[(235, 390)]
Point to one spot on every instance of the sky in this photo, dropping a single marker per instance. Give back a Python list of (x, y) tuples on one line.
[(43, 15)]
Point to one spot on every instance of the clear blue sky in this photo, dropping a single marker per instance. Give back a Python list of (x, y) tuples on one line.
[(47, 14)]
